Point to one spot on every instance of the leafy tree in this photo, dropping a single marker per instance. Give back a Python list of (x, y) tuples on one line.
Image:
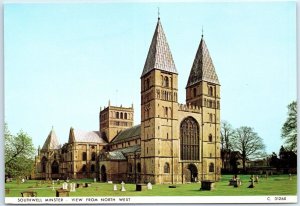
[(248, 143), (274, 161), (289, 128), (19, 154)]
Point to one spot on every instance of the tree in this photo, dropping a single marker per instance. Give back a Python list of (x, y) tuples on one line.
[(226, 138), (19, 154), (248, 143), (227, 133), (289, 128)]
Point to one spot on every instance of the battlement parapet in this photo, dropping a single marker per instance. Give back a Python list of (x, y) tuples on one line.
[(189, 108)]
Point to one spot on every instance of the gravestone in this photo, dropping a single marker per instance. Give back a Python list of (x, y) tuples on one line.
[(251, 182), (149, 186), (58, 181), (109, 182), (72, 189), (79, 185), (290, 176), (115, 187), (23, 180), (123, 186), (95, 180), (65, 186), (207, 185), (62, 193), (256, 178)]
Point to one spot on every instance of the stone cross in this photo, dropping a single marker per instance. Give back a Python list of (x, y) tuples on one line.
[(149, 186), (115, 187), (123, 187)]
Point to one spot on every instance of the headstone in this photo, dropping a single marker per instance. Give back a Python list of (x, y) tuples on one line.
[(58, 181), (115, 187), (23, 180), (72, 185), (290, 176), (123, 187), (65, 186), (95, 180), (149, 186), (110, 182), (256, 178), (252, 182), (67, 179)]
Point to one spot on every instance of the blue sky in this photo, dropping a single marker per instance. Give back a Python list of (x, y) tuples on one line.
[(64, 61)]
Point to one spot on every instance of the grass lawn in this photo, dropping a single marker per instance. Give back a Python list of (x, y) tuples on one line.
[(274, 185)]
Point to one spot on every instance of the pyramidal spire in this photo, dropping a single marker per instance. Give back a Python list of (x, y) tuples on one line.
[(51, 141), (203, 68), (159, 54)]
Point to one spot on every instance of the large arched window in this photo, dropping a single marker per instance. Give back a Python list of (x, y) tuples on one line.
[(54, 167), (167, 168), (189, 139)]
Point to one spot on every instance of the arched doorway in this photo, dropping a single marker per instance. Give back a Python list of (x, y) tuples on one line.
[(55, 167), (103, 174), (194, 172)]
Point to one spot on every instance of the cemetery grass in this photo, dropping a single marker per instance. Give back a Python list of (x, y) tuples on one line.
[(274, 185)]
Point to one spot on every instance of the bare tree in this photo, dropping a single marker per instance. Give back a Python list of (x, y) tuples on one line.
[(227, 133), (248, 143)]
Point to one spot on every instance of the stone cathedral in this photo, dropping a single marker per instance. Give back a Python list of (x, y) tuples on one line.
[(174, 143)]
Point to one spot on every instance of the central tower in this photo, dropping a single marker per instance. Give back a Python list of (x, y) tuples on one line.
[(158, 102)]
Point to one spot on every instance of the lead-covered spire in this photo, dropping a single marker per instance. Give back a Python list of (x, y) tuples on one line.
[(159, 54), (203, 68)]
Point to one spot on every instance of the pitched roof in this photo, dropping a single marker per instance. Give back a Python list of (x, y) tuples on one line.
[(85, 136), (119, 154), (127, 134), (203, 68), (51, 141), (159, 54)]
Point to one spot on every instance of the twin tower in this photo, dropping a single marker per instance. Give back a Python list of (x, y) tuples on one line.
[(179, 143)]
